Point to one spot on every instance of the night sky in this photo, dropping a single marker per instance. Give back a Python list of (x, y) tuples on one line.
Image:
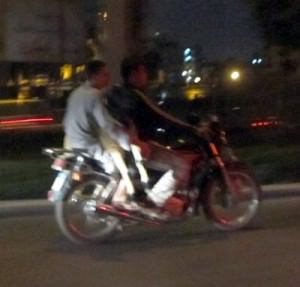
[(223, 28)]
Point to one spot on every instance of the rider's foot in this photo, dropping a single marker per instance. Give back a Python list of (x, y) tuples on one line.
[(146, 208), (129, 205), (147, 203)]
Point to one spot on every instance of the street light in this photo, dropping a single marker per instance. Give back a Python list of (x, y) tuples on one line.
[(235, 75)]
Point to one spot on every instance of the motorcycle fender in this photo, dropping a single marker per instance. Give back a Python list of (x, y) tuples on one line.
[(56, 193)]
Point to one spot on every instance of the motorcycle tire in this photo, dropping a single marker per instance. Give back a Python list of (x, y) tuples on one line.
[(85, 225), (232, 210)]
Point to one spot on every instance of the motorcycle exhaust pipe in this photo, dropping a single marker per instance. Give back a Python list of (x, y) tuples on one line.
[(127, 215)]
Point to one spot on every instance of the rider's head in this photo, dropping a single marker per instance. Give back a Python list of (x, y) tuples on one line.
[(97, 74), (134, 72)]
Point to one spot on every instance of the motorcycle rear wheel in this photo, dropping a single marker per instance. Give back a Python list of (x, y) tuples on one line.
[(76, 216), (232, 210)]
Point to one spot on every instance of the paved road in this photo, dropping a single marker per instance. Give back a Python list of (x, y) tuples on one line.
[(34, 253)]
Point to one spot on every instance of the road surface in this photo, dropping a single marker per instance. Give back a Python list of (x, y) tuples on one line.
[(191, 254)]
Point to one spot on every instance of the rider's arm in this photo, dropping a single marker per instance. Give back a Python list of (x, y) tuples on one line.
[(162, 113)]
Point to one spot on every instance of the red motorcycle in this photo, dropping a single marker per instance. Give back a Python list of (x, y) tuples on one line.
[(216, 181)]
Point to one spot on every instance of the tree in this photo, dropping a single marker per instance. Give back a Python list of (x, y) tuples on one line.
[(280, 21)]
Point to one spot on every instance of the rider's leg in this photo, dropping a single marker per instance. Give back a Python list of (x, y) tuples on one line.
[(126, 187), (176, 171), (66, 143), (163, 189), (121, 165)]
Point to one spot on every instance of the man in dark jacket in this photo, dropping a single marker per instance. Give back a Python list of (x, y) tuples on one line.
[(129, 105)]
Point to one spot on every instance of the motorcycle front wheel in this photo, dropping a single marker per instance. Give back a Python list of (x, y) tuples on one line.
[(232, 209), (76, 213)]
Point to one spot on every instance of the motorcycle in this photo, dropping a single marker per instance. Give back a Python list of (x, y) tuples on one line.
[(218, 182)]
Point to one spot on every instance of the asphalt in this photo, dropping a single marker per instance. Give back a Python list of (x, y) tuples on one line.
[(42, 206)]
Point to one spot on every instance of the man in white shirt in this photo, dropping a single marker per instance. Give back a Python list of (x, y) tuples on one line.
[(88, 125)]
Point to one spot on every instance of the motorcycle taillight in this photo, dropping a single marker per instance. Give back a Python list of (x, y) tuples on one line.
[(50, 195), (59, 164)]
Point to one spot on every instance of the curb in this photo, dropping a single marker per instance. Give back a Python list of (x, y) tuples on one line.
[(25, 207), (273, 191), (43, 206)]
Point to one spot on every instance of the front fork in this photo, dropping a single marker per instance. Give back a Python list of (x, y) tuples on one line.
[(221, 165)]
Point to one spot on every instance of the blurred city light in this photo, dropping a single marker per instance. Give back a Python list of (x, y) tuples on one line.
[(189, 79), (235, 75), (197, 80), (256, 61), (187, 51), (105, 16), (192, 93), (188, 58), (26, 120), (160, 130), (269, 123), (184, 73), (18, 101), (66, 72), (80, 69), (164, 95)]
